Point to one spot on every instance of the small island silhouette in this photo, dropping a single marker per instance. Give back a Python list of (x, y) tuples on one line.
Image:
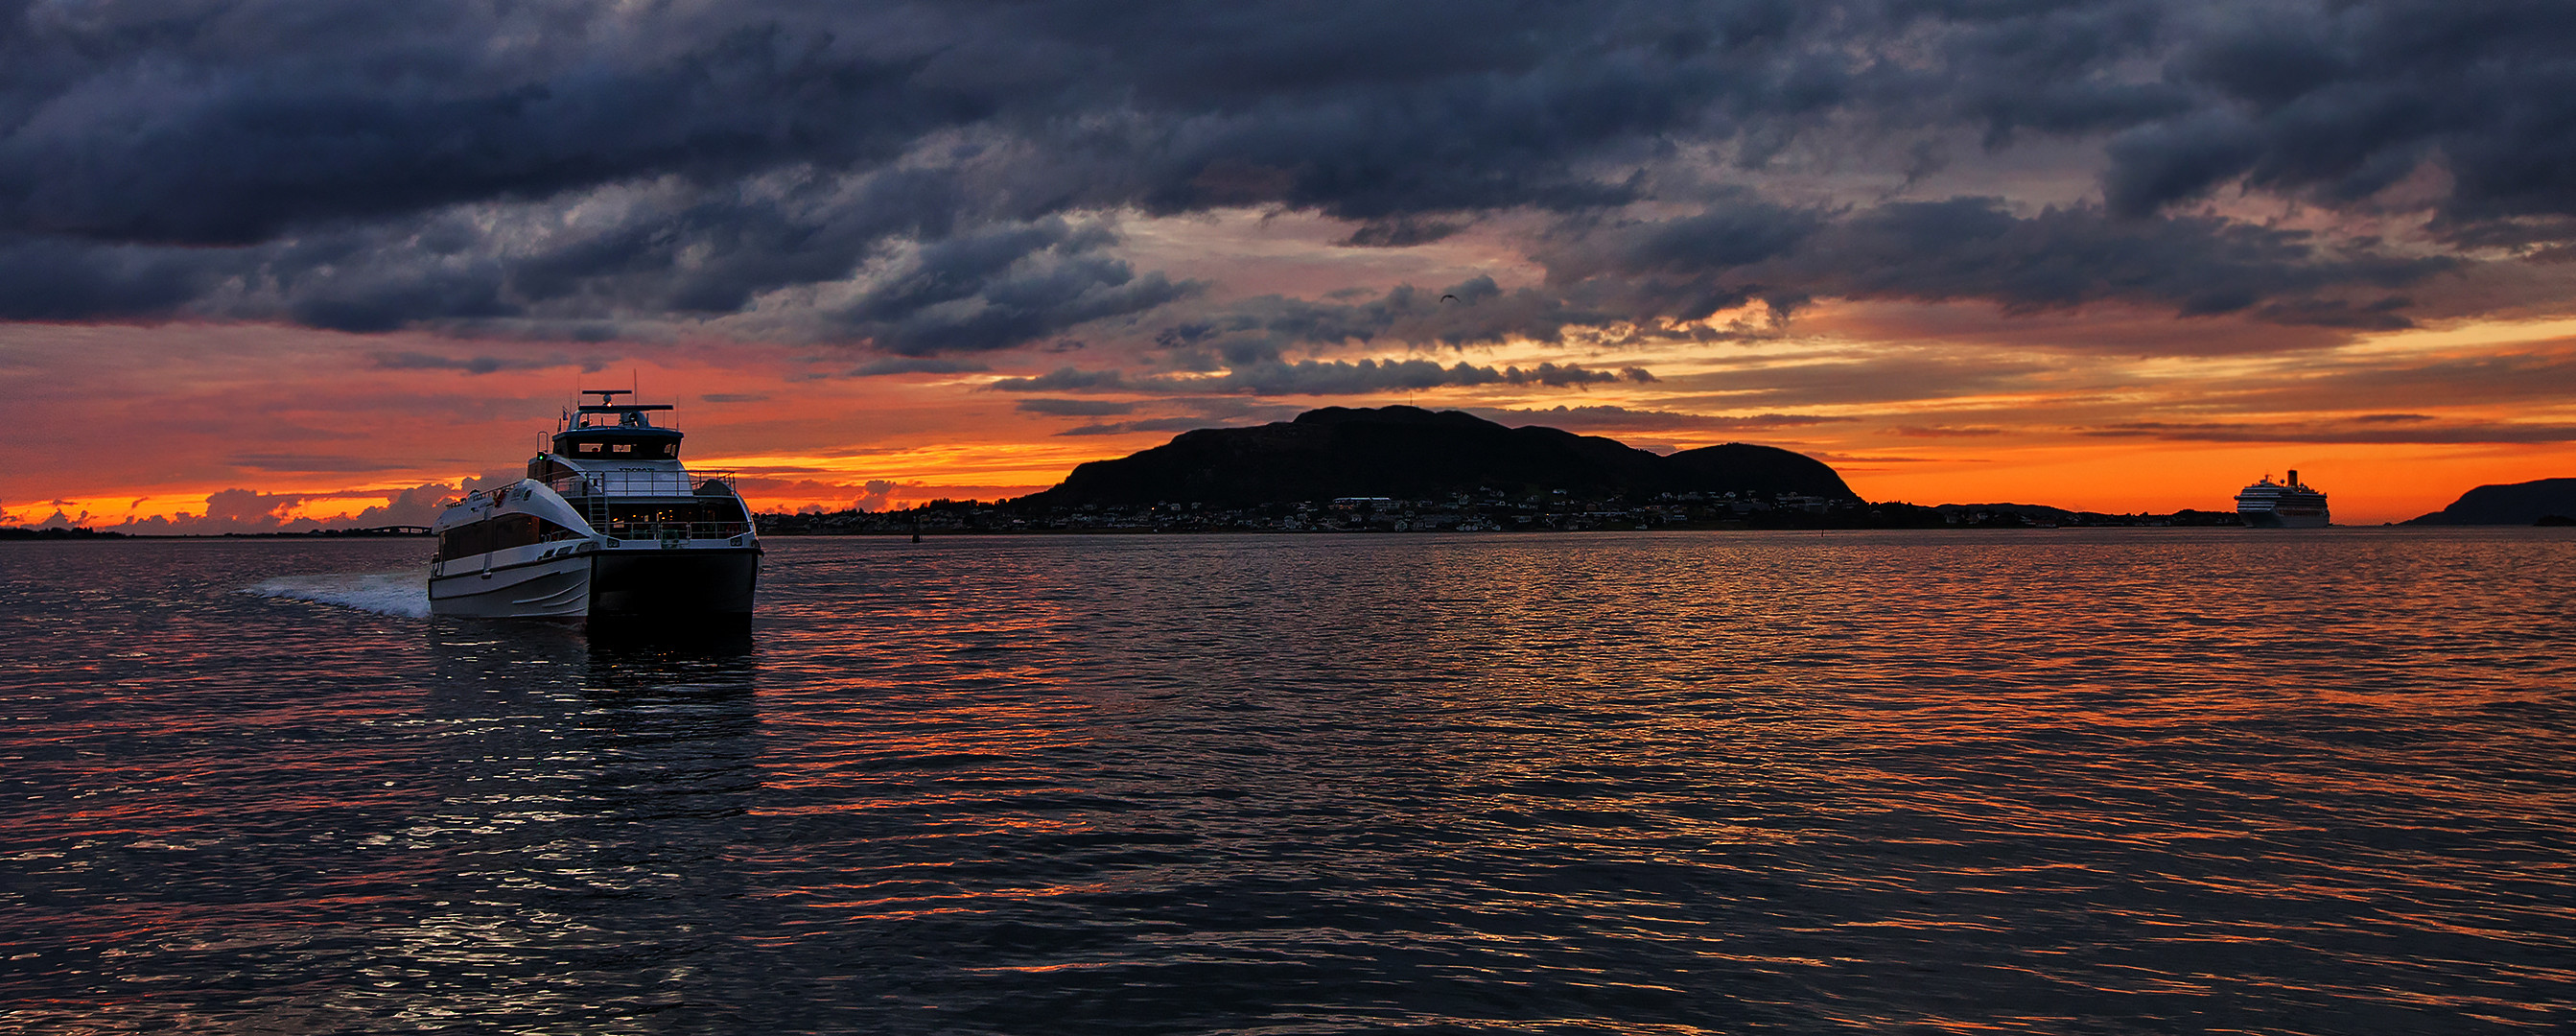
[(1406, 469), (1407, 453)]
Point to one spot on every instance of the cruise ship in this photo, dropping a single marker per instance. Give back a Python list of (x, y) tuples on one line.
[(2288, 504), (607, 524)]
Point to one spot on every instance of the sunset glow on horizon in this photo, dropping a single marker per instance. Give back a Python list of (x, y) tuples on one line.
[(350, 431)]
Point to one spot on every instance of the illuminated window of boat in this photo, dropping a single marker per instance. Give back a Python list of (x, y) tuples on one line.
[(625, 447), (587, 447)]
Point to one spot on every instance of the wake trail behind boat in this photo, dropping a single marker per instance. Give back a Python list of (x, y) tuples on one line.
[(385, 593)]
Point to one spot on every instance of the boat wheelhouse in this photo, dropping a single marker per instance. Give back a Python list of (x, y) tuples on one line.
[(607, 523), (2288, 504)]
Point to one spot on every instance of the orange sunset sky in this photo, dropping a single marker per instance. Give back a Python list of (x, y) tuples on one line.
[(261, 275)]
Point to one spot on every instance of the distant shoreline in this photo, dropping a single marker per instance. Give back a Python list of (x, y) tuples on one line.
[(58, 535), (21, 532)]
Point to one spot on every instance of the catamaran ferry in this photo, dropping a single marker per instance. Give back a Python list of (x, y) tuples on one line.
[(607, 524), (2282, 505)]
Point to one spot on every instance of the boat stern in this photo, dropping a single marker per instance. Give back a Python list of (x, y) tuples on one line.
[(648, 578)]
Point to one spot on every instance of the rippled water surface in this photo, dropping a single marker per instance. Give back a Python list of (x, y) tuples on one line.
[(2061, 781)]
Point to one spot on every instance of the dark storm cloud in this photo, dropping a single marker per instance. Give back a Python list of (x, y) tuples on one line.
[(2442, 434), (2341, 100), (673, 250), (914, 365), (1401, 233), (1197, 412), (231, 123), (409, 361), (234, 123), (895, 174), (1588, 418), (45, 278), (706, 250), (1472, 312), (1655, 277), (2525, 375), (1978, 248), (304, 462), (1324, 378), (1065, 379), (1075, 407), (1232, 409), (1916, 431), (1153, 424), (1001, 288), (1880, 379)]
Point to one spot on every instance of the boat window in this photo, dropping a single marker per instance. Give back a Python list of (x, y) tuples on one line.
[(465, 541), (514, 530), (711, 518), (502, 533), (654, 512), (643, 448)]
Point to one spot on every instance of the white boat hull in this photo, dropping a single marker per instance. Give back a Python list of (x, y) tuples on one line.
[(643, 582), (553, 588)]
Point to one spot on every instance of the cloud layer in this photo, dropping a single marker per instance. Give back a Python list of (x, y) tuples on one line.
[(937, 180)]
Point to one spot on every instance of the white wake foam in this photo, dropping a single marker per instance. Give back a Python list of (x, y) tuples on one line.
[(386, 593)]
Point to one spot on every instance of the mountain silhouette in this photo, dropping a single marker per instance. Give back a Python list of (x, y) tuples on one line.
[(2520, 503), (1410, 453)]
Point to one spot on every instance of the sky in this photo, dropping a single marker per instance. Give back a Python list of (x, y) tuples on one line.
[(270, 265)]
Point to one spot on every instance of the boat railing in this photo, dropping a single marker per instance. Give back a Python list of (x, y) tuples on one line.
[(672, 531), (641, 483)]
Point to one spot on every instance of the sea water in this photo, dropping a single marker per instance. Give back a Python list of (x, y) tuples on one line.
[(2048, 781)]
